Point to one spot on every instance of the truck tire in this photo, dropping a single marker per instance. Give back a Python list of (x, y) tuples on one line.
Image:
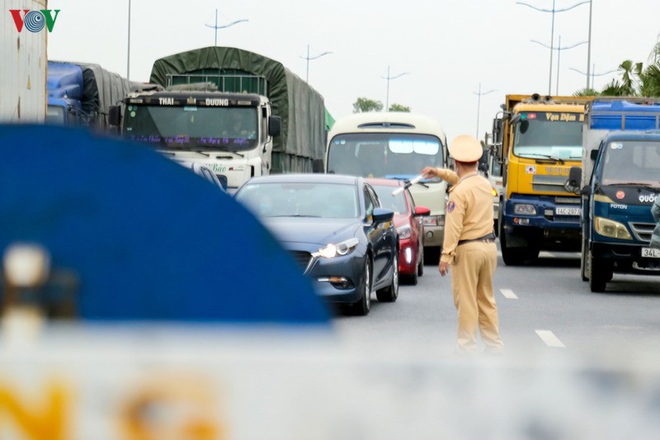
[(511, 256), (600, 274), (583, 262)]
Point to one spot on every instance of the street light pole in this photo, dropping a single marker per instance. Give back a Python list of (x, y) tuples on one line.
[(593, 73), (128, 50), (559, 49), (216, 27), (552, 30), (479, 95), (388, 78), (308, 58), (589, 47)]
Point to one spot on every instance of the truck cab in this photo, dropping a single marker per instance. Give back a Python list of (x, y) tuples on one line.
[(620, 180), (541, 138), (229, 133)]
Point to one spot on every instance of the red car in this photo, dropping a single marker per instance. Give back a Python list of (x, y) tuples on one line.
[(408, 225)]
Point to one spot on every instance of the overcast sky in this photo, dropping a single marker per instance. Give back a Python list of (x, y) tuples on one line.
[(439, 52)]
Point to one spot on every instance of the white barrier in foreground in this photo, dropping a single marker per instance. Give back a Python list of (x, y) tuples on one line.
[(143, 384)]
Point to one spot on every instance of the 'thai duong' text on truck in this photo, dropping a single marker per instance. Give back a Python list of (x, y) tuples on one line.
[(619, 180), (541, 139), (81, 94), (236, 112)]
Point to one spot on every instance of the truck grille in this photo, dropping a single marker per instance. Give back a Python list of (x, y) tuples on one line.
[(642, 231), (302, 259), (544, 183)]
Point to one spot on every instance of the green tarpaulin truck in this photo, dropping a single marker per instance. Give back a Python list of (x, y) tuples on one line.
[(239, 113)]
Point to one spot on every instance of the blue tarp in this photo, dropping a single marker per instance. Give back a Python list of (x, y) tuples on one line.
[(624, 115), (148, 239)]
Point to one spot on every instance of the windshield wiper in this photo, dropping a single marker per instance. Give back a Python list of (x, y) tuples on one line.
[(545, 158)]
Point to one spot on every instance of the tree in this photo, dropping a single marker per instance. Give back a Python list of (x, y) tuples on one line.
[(650, 77), (586, 92), (630, 73), (635, 80), (399, 108), (363, 105)]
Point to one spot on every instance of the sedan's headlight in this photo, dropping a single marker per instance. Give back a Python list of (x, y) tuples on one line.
[(332, 250), (405, 231), (610, 228), (524, 209)]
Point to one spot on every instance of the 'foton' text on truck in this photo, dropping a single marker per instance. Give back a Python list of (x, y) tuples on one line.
[(619, 180)]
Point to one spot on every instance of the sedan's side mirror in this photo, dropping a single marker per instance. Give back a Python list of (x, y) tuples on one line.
[(421, 211), (382, 215)]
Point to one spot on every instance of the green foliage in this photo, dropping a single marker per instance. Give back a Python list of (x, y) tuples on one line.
[(363, 105), (399, 108), (635, 79), (586, 92)]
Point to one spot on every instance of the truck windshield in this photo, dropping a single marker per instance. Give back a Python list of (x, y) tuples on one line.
[(549, 135), (192, 127), (383, 154), (631, 162)]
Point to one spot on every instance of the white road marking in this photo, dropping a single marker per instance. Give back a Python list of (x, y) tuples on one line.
[(508, 294), (549, 338)]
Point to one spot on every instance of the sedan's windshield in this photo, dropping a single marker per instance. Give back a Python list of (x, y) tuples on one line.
[(225, 128), (549, 135), (281, 199), (396, 203)]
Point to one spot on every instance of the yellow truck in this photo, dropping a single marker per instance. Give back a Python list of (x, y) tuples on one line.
[(537, 140)]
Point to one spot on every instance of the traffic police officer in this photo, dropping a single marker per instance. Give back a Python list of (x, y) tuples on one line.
[(469, 246)]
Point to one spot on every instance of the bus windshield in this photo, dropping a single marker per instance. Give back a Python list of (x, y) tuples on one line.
[(549, 135), (225, 128), (383, 154)]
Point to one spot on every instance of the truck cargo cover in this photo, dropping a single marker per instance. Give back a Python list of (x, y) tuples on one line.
[(300, 106)]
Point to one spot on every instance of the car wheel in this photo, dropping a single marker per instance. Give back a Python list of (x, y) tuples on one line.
[(420, 266), (413, 279), (391, 292), (362, 307)]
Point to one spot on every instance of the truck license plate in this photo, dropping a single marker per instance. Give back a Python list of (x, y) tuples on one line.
[(650, 253), (568, 210)]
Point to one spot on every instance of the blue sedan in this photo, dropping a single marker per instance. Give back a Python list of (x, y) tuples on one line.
[(335, 229)]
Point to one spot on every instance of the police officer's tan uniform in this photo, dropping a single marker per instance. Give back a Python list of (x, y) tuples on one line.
[(469, 248)]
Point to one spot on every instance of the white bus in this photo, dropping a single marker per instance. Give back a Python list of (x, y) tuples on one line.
[(395, 145)]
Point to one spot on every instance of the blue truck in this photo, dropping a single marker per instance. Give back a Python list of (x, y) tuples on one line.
[(81, 94), (619, 180)]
